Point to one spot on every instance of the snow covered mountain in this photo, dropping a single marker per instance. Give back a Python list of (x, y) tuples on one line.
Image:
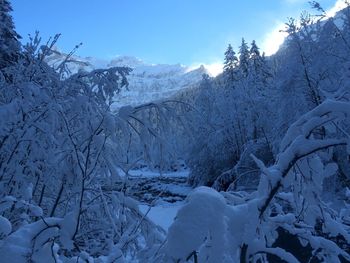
[(147, 82)]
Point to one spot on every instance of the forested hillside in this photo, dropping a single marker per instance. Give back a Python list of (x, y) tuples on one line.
[(266, 145)]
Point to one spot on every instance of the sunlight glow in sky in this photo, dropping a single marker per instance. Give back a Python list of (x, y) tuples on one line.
[(273, 39), (189, 32)]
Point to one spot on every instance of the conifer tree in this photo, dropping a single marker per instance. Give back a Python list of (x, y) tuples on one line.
[(230, 60), (230, 64), (9, 44), (244, 58), (258, 64), (255, 56)]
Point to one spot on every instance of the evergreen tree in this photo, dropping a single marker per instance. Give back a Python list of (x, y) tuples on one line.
[(230, 63), (258, 64), (244, 58), (9, 44), (255, 56), (265, 68)]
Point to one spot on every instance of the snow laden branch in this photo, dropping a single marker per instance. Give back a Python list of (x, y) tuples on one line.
[(60, 146), (299, 143), (285, 218)]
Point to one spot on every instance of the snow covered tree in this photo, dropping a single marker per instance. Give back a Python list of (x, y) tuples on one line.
[(285, 219), (9, 44), (234, 117), (258, 64), (259, 72), (339, 32), (59, 151), (244, 58), (230, 63), (302, 42), (255, 56)]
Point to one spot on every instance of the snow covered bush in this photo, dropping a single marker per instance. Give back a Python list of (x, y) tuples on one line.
[(288, 205), (193, 226), (231, 112), (60, 143), (245, 174), (217, 138)]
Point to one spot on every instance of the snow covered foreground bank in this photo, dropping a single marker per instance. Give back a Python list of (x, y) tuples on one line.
[(285, 220), (212, 226), (162, 214), (165, 194)]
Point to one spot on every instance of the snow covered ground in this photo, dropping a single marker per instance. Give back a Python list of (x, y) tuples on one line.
[(162, 214), (161, 196)]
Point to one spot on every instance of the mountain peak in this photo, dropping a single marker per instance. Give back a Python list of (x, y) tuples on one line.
[(147, 82), (126, 61)]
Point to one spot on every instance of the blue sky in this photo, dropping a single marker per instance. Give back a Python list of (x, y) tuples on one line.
[(157, 31)]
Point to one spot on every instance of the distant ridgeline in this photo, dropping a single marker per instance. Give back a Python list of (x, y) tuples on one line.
[(147, 82)]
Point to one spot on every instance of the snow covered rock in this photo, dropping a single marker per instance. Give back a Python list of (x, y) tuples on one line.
[(199, 225)]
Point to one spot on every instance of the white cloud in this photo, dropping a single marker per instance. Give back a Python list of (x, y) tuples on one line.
[(214, 69), (340, 4), (273, 39)]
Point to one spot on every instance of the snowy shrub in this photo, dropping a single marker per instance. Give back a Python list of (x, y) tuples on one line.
[(193, 230), (286, 206), (245, 174), (59, 144), (231, 111), (209, 161)]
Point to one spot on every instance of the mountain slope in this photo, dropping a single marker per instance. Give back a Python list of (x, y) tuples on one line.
[(147, 82)]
